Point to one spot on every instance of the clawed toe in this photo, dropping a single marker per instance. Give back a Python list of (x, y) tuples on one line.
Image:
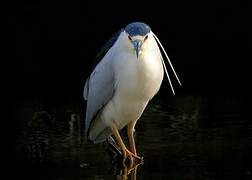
[(131, 159)]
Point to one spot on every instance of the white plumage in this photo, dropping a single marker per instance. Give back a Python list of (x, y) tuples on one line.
[(122, 84), (136, 82)]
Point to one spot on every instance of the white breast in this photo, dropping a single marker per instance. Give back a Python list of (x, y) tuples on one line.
[(137, 81)]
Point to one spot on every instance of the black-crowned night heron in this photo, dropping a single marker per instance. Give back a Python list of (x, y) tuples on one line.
[(122, 83)]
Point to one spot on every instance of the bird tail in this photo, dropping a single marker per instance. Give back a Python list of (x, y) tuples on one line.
[(98, 131), (112, 148)]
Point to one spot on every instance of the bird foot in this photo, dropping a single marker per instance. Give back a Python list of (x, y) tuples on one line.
[(132, 171), (132, 158)]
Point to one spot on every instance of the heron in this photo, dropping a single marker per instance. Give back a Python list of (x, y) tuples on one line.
[(128, 74)]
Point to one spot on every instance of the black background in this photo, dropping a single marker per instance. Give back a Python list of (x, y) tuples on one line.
[(52, 45)]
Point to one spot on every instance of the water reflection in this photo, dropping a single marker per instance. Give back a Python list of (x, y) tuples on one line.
[(190, 137), (37, 136)]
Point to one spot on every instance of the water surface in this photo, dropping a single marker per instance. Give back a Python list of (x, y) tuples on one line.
[(187, 137)]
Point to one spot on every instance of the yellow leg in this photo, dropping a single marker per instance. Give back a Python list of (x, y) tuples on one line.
[(130, 131), (125, 151)]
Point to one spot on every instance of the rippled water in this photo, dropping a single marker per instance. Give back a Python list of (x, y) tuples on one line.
[(187, 137)]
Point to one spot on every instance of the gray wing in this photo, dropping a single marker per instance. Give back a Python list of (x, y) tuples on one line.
[(99, 87), (103, 51)]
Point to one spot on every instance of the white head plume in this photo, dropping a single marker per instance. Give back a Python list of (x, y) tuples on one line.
[(156, 38)]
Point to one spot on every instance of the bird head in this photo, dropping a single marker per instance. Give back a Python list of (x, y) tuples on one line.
[(139, 37), (137, 33)]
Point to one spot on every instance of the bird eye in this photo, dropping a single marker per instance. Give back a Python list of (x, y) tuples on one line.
[(129, 38), (146, 37)]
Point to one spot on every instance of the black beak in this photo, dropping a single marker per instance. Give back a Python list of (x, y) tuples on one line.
[(137, 45)]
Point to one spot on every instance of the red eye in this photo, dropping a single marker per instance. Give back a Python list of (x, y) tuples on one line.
[(146, 37), (129, 38)]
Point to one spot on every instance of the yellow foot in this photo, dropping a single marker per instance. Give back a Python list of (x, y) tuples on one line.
[(130, 171), (132, 157)]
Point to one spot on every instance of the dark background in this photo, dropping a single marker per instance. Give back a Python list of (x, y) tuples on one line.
[(52, 45)]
